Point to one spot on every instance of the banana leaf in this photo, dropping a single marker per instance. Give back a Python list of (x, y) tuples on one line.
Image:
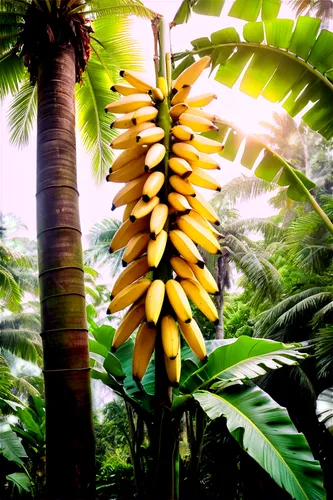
[(10, 445), (280, 62), (265, 431), (244, 359), (248, 10), (256, 154)]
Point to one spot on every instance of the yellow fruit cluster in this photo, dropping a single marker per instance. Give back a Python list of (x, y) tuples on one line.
[(164, 216)]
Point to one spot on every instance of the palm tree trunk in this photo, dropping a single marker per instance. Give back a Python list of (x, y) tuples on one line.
[(70, 462), (222, 264)]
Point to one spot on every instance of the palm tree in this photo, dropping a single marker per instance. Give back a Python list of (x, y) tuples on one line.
[(54, 39), (323, 9), (248, 257), (99, 238)]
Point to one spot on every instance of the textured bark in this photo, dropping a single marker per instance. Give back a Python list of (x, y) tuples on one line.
[(70, 461)]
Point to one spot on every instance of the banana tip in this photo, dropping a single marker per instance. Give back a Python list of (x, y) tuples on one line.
[(113, 207), (111, 297), (146, 198), (188, 320), (132, 218), (219, 189), (216, 322), (174, 384), (107, 178), (110, 170), (113, 88), (200, 264), (137, 138), (110, 250), (217, 223), (146, 168), (153, 236), (108, 311), (123, 263), (121, 72), (152, 268), (151, 324), (113, 349)]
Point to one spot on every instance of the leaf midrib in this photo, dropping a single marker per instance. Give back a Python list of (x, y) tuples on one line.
[(264, 437)]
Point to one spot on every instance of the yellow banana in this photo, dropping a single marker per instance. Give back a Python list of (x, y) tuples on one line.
[(204, 222), (177, 110), (205, 279), (193, 336), (180, 166), (128, 295), (178, 202), (205, 114), (200, 178), (206, 162), (186, 151), (170, 337), (128, 172), (152, 185), (143, 208), (135, 270), (182, 132), (181, 185), (128, 139), (156, 94), (158, 219), (185, 246), (173, 369), (178, 300), (131, 191), (129, 323), (182, 268), (124, 89), (200, 101), (198, 234), (201, 299), (204, 144), (162, 85), (202, 206), (156, 249), (126, 231), (154, 156), (154, 302), (136, 80), (150, 136), (196, 123), (129, 103), (143, 350), (127, 156), (190, 75), (135, 247), (125, 121), (181, 95), (145, 114), (128, 209)]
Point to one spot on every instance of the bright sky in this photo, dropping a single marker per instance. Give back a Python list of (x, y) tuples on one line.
[(18, 167)]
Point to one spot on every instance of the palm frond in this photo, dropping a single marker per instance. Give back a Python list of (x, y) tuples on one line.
[(244, 188), (94, 94), (299, 306), (323, 344), (99, 238), (325, 408), (266, 227), (28, 320), (24, 343), (102, 8), (10, 291), (23, 112), (11, 72)]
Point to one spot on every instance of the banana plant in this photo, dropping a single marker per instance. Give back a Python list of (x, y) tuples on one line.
[(222, 386)]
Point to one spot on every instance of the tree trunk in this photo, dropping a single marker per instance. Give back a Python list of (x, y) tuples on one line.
[(223, 264), (70, 461)]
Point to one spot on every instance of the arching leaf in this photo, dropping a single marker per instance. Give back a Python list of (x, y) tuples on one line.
[(23, 112), (241, 360), (265, 431), (293, 65)]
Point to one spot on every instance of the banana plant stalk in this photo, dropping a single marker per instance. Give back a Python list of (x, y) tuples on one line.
[(166, 440)]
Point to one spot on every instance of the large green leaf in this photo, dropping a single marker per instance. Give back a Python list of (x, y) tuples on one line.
[(293, 65), (243, 359), (10, 445), (259, 156), (266, 432), (248, 10), (21, 481)]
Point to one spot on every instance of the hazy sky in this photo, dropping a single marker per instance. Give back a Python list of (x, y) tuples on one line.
[(18, 167)]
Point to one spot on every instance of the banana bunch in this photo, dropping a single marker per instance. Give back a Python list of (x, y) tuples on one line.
[(163, 161)]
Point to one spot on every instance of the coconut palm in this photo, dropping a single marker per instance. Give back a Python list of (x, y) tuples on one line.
[(54, 40), (323, 9), (99, 238)]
